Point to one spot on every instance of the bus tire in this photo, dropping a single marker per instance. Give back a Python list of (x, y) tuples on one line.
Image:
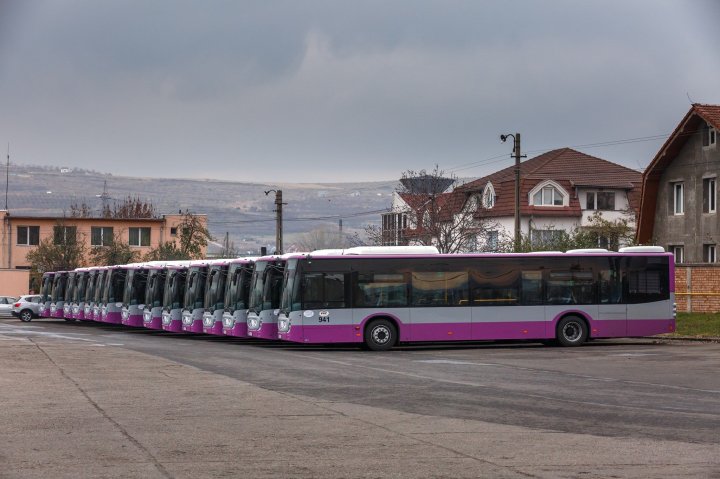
[(571, 331), (69, 319), (380, 335)]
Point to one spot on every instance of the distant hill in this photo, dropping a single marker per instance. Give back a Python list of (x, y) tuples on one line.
[(241, 209)]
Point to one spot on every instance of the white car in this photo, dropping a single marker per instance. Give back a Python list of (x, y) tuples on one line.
[(6, 304), (27, 307)]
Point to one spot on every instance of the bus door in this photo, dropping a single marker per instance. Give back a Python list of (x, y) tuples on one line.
[(385, 294), (612, 310)]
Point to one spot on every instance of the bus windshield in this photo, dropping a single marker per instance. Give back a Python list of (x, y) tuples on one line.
[(174, 288), (289, 282), (114, 286), (90, 286), (195, 287), (273, 286), (237, 287), (155, 287), (80, 285), (58, 290), (257, 286), (134, 286), (99, 285), (215, 287)]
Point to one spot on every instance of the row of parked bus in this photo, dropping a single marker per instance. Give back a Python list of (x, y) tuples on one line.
[(380, 296)]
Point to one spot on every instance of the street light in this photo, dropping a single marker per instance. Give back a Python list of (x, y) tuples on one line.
[(517, 155)]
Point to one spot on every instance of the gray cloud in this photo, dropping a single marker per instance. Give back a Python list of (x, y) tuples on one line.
[(332, 91)]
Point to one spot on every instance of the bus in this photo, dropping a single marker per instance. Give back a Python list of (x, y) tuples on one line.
[(265, 292), (90, 291), (77, 306), (57, 296), (193, 301), (133, 298), (237, 292), (214, 300), (46, 291), (559, 298), (98, 290), (173, 295), (154, 290), (112, 294), (69, 295)]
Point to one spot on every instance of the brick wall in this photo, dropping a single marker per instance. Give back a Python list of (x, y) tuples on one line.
[(697, 288)]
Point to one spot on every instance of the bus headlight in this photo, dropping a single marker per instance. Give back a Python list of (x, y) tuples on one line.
[(166, 317), (228, 320), (254, 323), (76, 309), (284, 325), (147, 316), (187, 318), (207, 319)]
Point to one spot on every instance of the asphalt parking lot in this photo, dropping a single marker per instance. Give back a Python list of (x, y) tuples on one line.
[(94, 400)]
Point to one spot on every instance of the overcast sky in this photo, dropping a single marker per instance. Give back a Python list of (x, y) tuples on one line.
[(311, 90)]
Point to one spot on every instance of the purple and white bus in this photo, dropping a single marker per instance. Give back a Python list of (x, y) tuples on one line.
[(214, 300), (57, 296), (154, 287), (133, 299), (46, 292), (237, 293), (97, 299), (70, 286), (193, 301), (561, 298), (112, 294), (265, 292), (173, 295), (77, 305)]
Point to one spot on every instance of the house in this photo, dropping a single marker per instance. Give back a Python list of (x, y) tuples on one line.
[(678, 209), (21, 234), (560, 190)]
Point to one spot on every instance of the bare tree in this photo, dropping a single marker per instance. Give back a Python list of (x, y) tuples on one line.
[(321, 238), (447, 220)]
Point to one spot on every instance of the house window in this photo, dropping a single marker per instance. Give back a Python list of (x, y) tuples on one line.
[(678, 198), (548, 196), (139, 237), (488, 199), (542, 238), (679, 253), (101, 235), (28, 235), (64, 234), (605, 200), (709, 253), (173, 231), (709, 136), (709, 195), (492, 240)]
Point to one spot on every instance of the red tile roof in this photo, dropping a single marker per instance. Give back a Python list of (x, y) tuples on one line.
[(567, 167)]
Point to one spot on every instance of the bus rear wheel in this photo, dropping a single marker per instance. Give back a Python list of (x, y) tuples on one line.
[(571, 331), (380, 335)]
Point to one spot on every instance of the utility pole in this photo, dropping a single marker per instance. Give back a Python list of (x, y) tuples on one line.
[(278, 220), (7, 177), (518, 156)]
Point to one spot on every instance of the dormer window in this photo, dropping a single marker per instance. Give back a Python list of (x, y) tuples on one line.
[(488, 196), (549, 193), (709, 136)]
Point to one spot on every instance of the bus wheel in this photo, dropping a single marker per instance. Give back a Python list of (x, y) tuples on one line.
[(380, 335), (69, 319), (571, 331)]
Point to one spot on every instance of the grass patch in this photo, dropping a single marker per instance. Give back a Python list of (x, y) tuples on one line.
[(698, 324)]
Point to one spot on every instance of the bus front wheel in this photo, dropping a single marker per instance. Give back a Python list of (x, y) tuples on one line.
[(380, 335), (571, 331)]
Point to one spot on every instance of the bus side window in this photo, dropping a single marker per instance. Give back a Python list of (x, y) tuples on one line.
[(531, 289), (381, 290), (440, 289), (610, 287)]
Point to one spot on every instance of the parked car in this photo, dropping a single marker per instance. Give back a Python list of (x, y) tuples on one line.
[(27, 307), (6, 303)]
